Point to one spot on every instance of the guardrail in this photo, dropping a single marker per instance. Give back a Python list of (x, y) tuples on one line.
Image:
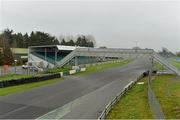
[(166, 63), (111, 104)]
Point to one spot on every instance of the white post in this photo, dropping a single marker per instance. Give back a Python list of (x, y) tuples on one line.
[(45, 55), (55, 56)]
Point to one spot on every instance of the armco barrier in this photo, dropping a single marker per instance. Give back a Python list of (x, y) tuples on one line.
[(110, 105), (28, 80)]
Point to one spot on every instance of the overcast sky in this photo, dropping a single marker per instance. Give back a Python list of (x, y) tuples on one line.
[(114, 23)]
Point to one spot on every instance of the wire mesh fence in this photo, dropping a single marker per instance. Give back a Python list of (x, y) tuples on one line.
[(152, 100)]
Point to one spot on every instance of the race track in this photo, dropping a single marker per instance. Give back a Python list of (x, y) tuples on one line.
[(75, 97)]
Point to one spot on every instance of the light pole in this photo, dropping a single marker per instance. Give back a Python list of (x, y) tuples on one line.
[(15, 61)]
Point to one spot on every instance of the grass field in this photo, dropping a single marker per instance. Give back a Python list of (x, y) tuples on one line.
[(96, 68), (167, 91), (14, 76), (24, 87), (133, 105)]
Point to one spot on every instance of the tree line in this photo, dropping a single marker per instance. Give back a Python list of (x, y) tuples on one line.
[(10, 39), (37, 38)]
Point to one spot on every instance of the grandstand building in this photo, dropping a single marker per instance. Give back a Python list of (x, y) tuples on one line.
[(50, 55)]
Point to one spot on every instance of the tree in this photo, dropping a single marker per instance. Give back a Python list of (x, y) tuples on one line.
[(26, 40), (41, 38), (92, 40), (38, 38), (7, 57), (63, 42), (1, 58), (70, 43), (178, 54)]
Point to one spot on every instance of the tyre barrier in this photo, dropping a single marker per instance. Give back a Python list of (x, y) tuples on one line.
[(146, 73), (14, 82)]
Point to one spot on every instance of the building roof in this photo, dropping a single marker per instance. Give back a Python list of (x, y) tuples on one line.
[(62, 47)]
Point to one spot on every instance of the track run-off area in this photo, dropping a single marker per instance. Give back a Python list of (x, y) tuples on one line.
[(76, 97)]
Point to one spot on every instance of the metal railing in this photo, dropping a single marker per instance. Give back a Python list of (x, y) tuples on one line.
[(66, 59), (164, 62), (97, 52), (110, 52), (111, 104)]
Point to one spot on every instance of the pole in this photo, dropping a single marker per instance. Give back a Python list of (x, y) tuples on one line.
[(29, 51), (15, 65), (75, 61), (55, 56), (45, 57)]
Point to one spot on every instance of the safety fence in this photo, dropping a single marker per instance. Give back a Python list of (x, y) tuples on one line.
[(111, 104), (153, 102)]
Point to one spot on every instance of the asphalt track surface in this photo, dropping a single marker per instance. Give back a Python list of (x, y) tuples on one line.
[(76, 97)]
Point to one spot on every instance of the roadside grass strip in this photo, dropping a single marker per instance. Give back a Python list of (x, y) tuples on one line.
[(24, 87), (99, 67), (133, 105), (57, 70), (167, 91), (14, 76)]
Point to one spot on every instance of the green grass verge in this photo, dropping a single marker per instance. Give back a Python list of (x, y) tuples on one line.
[(57, 70), (176, 63), (167, 91), (24, 87), (158, 66), (14, 76), (96, 68), (133, 105)]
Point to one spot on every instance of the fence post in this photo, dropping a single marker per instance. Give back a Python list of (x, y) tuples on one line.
[(105, 112), (116, 98)]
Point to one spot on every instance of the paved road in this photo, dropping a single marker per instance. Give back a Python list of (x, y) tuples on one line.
[(75, 97)]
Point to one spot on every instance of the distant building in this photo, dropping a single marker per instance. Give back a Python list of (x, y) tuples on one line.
[(20, 52), (49, 55)]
